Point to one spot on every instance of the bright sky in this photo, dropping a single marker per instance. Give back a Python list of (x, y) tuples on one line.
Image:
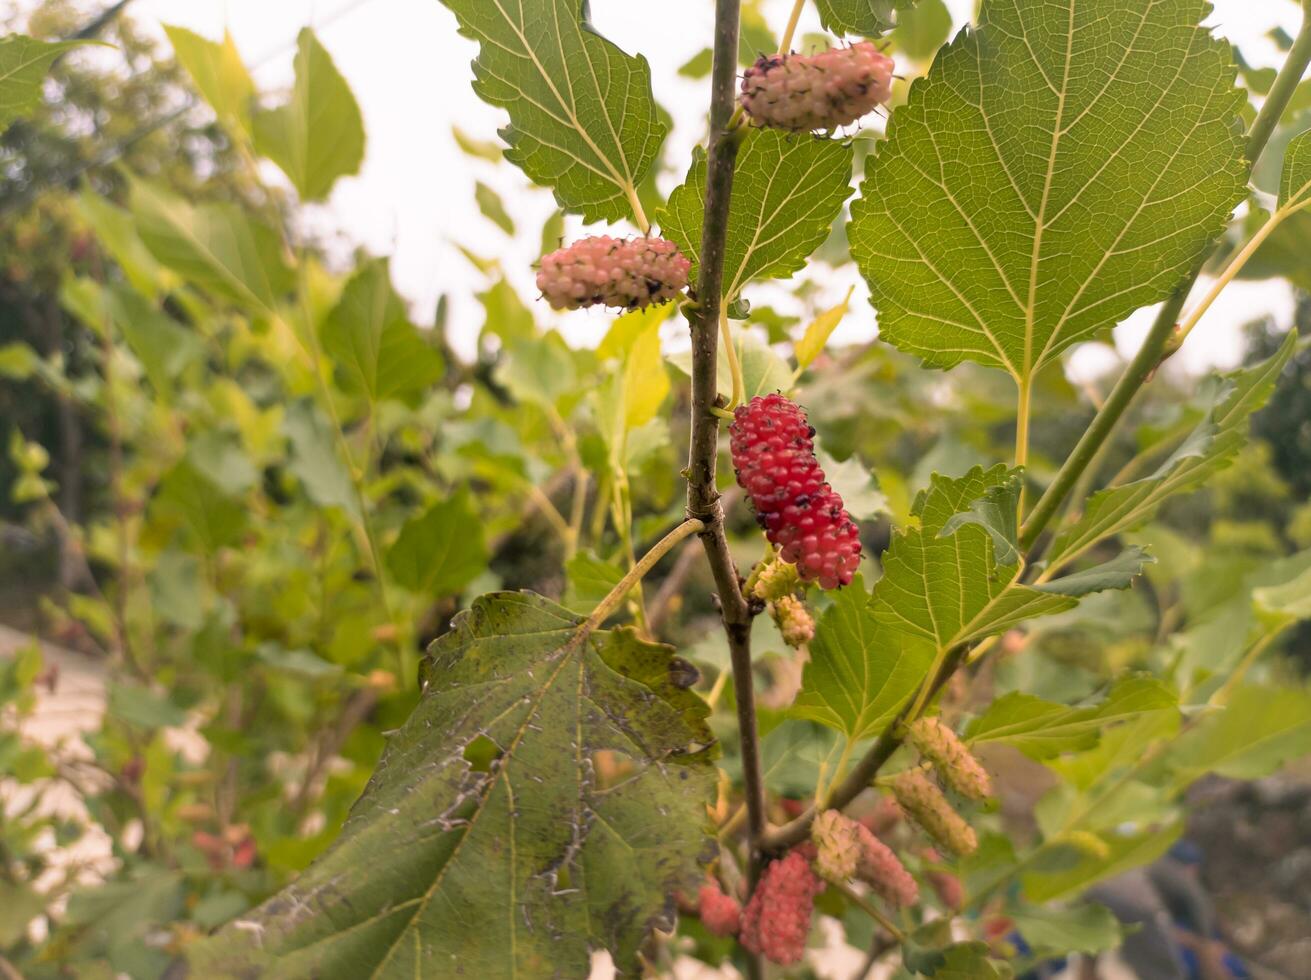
[(410, 71)]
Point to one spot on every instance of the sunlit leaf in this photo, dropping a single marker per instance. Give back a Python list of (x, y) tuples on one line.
[(24, 62), (811, 344), (318, 135), (1060, 166), (787, 191), (219, 73), (583, 120)]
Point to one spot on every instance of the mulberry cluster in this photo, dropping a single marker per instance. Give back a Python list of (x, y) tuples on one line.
[(955, 764), (776, 921), (821, 91), (925, 804), (794, 621), (625, 273), (837, 846), (774, 457), (721, 914), (883, 871)]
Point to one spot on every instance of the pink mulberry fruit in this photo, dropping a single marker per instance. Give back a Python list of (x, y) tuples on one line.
[(720, 913), (776, 921), (774, 457), (628, 274), (955, 764), (837, 846), (925, 804), (820, 91), (883, 871), (948, 887)]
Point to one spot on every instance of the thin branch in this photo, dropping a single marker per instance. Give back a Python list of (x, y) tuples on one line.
[(1155, 345), (703, 501), (866, 769)]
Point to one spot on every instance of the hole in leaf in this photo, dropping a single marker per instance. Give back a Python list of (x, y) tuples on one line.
[(481, 753)]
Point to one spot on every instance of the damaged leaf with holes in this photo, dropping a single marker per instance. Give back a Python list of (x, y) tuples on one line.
[(545, 799)]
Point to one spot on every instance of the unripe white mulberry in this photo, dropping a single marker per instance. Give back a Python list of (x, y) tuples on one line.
[(624, 273), (925, 804), (773, 580), (837, 846), (957, 766), (820, 91), (794, 621)]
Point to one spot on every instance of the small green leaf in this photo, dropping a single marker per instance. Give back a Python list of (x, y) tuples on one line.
[(583, 119), (787, 192), (216, 246), (1118, 573), (24, 62), (854, 482), (219, 74), (318, 135), (1088, 929), (482, 149), (492, 207), (867, 18), (369, 336), (18, 361), (1124, 851), (442, 551), (811, 345), (589, 581), (143, 708), (117, 233), (923, 29), (189, 498), (1295, 180), (1259, 730), (314, 459), (487, 808), (860, 672), (949, 588), (1043, 729), (1036, 188)]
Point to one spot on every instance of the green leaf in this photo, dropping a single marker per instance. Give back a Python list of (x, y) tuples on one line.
[(18, 361), (548, 859), (1253, 736), (811, 344), (314, 459), (583, 119), (860, 672), (1060, 166), (117, 233), (492, 207), (949, 587), (1124, 851), (923, 29), (856, 485), (1088, 929), (215, 246), (19, 905), (442, 551), (763, 371), (538, 370), (1118, 573), (163, 346), (1210, 447), (219, 74), (214, 518), (1043, 729), (868, 18), (24, 62), (1295, 179), (1286, 602), (369, 336), (144, 708), (787, 192), (318, 135), (482, 149), (589, 581)]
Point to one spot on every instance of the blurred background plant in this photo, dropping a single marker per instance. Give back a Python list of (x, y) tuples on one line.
[(246, 490)]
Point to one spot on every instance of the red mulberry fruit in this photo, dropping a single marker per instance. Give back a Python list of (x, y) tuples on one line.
[(774, 457), (955, 764), (821, 91), (628, 274), (776, 921), (720, 913), (883, 871)]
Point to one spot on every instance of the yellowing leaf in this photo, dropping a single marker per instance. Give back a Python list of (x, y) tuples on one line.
[(645, 381), (821, 328)]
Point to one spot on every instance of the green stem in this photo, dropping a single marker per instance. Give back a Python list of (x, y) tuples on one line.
[(1023, 409), (734, 365), (785, 45), (639, 570), (1147, 359)]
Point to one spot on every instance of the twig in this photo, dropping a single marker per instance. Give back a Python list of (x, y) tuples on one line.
[(620, 592), (703, 501)]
